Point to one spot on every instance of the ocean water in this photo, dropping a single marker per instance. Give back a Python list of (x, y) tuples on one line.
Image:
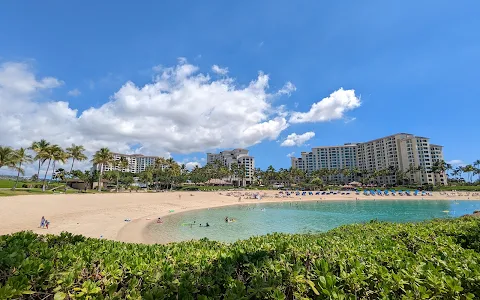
[(298, 217)]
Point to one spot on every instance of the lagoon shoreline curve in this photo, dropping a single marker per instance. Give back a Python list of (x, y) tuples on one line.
[(104, 215)]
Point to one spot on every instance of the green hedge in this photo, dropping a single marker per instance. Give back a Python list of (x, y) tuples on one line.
[(438, 259)]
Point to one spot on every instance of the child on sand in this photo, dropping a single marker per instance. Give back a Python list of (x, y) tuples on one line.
[(47, 223)]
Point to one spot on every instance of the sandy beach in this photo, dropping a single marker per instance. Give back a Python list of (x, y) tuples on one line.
[(104, 215)]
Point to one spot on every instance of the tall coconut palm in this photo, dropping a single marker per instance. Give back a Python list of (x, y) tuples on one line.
[(40, 148), (21, 157), (121, 164), (102, 157), (7, 157), (75, 152), (469, 169), (173, 171), (50, 153), (476, 164), (58, 156)]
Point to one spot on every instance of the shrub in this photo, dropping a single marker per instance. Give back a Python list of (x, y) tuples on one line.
[(437, 259)]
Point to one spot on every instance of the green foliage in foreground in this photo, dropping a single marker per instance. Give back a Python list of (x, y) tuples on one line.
[(437, 259)]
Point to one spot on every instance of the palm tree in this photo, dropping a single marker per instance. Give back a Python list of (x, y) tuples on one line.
[(346, 173), (242, 173), (40, 148), (7, 157), (59, 155), (259, 176), (173, 171), (50, 153), (270, 174), (21, 157), (469, 169), (234, 167), (121, 164), (75, 152), (458, 171), (317, 182), (476, 164), (146, 177), (102, 157)]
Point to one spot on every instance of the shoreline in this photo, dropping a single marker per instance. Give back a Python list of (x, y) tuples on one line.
[(104, 215)]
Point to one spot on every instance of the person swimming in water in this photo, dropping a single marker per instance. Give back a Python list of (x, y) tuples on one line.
[(226, 219)]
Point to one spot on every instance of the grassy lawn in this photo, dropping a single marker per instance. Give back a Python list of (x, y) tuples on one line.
[(8, 192), (6, 183)]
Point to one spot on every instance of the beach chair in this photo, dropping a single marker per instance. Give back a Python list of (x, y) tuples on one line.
[(304, 193), (385, 192), (317, 193), (310, 193), (357, 192), (323, 193), (347, 193), (297, 193), (407, 193)]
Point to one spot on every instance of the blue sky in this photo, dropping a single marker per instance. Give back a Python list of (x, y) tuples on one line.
[(413, 64)]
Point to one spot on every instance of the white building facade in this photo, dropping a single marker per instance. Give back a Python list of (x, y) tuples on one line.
[(406, 152), (137, 163), (235, 156)]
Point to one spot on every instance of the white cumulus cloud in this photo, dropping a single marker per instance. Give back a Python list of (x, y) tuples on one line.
[(455, 162), (297, 139), (287, 89), (291, 154), (74, 93), (220, 71), (181, 111), (192, 164), (330, 108)]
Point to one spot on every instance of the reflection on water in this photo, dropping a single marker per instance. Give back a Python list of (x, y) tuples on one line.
[(296, 217)]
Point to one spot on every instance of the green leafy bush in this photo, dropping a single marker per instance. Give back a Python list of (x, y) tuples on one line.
[(439, 259)]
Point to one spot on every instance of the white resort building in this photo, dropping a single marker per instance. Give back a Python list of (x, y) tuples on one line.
[(136, 163), (235, 156), (401, 151)]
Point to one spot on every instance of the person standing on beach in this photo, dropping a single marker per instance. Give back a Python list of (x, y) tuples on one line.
[(42, 222), (47, 223)]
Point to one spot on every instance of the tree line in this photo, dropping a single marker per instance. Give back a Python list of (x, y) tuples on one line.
[(331, 176), (163, 173), (42, 152), (166, 173)]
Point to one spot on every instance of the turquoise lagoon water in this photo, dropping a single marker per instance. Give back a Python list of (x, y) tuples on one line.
[(298, 217)]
